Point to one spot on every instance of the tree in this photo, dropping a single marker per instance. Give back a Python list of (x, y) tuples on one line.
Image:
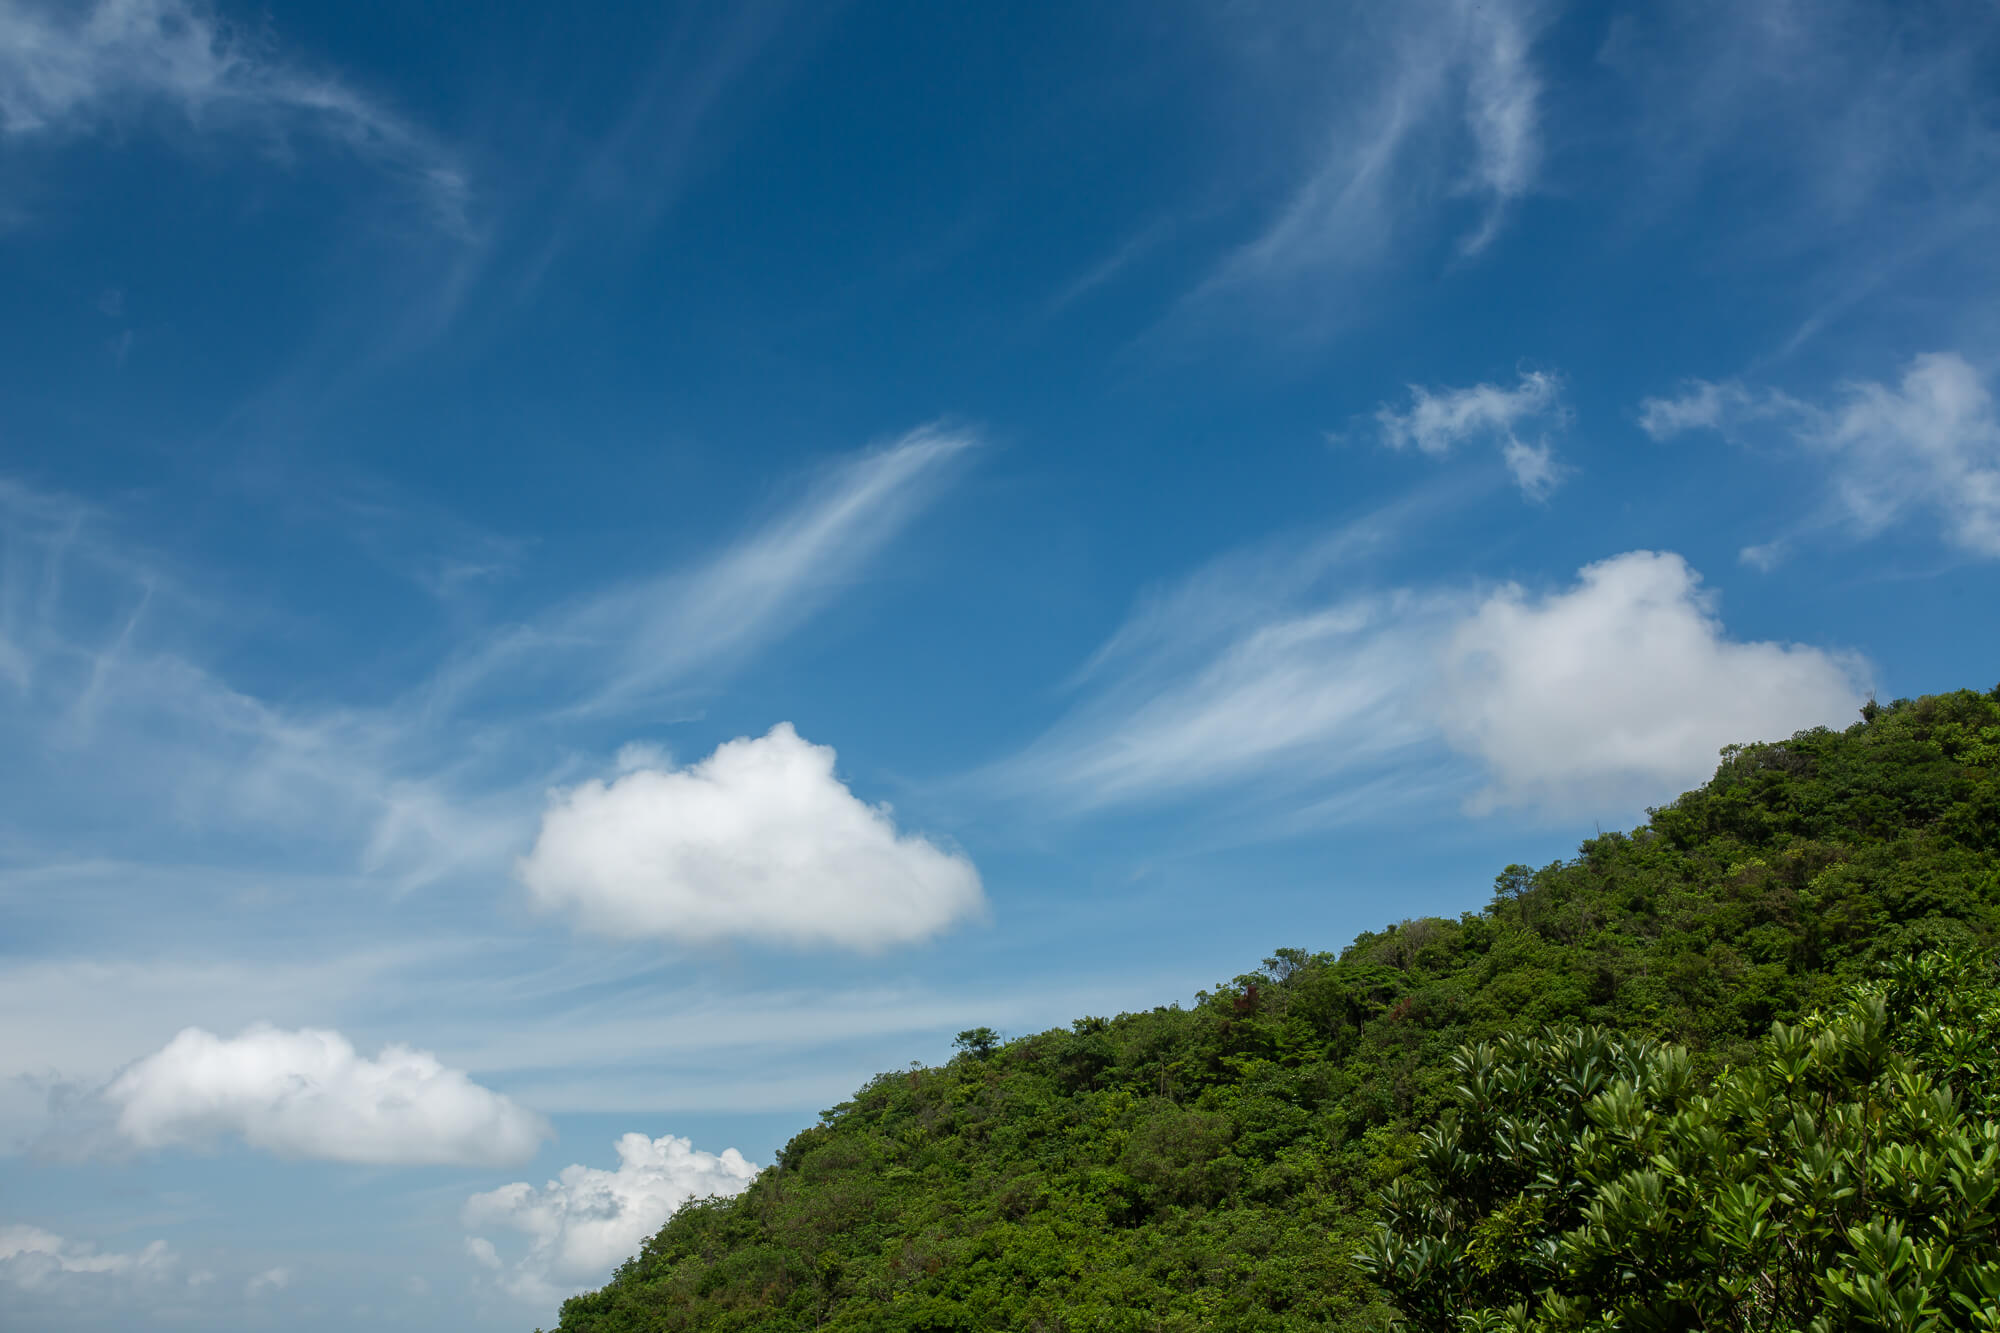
[(1848, 1178), (977, 1042)]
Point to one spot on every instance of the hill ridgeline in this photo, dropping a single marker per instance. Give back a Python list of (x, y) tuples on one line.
[(1223, 1165)]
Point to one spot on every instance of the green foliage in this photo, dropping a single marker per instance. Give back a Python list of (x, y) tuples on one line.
[(977, 1042), (1216, 1166), (1847, 1178)]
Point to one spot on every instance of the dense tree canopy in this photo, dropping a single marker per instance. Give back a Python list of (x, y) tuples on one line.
[(1848, 1177), (1218, 1165)]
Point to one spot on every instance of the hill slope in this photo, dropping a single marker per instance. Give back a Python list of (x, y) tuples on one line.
[(1215, 1166)]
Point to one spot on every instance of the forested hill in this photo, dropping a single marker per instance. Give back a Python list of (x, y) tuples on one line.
[(1216, 1166)]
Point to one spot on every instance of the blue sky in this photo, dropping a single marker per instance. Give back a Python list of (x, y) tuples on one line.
[(574, 586)]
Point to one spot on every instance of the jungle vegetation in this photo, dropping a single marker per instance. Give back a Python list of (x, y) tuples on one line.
[(1733, 1069)]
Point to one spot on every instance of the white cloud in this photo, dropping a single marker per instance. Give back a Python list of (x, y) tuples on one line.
[(1623, 688), (1533, 466), (509, 1008), (1331, 704), (34, 1259), (270, 1280), (1929, 444), (587, 1221), (1763, 556), (307, 1093), (636, 755), (75, 1022), (758, 841), (66, 69), (1438, 421), (1702, 406)]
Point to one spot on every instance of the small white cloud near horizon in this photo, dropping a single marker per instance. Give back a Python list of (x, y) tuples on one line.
[(587, 1221), (1624, 687), (34, 1259), (1438, 421), (309, 1094), (1930, 443), (760, 841)]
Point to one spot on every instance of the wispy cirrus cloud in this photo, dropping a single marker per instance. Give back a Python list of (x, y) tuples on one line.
[(123, 734), (102, 652), (68, 70), (638, 641), (1927, 444), (1874, 160), (1328, 700), (621, 185), (1441, 101), (1296, 696)]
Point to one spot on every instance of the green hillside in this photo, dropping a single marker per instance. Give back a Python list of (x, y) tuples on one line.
[(1217, 1166)]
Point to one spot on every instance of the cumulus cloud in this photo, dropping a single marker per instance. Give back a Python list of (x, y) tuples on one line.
[(1277, 677), (1928, 444), (75, 68), (308, 1093), (270, 1280), (758, 841), (585, 1222), (1624, 686), (34, 1259), (1438, 421)]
